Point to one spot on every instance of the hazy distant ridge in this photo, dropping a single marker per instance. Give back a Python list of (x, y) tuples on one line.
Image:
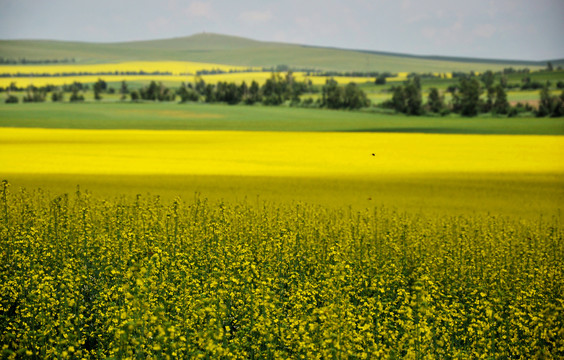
[(224, 49)]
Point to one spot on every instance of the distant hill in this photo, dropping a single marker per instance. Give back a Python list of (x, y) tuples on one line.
[(223, 49)]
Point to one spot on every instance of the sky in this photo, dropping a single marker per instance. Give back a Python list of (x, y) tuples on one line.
[(495, 29)]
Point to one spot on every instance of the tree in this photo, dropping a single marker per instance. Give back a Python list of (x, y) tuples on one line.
[(350, 97), (435, 101), (490, 96), (274, 90), (549, 66), (414, 100), (75, 96), (559, 110), (34, 95), (354, 97), (503, 81), (550, 105), (407, 98), (57, 96), (253, 95), (500, 104), (466, 100), (398, 99), (331, 95), (243, 90), (12, 99), (123, 89), (209, 93), (380, 80), (135, 96), (99, 87), (199, 85), (187, 94), (488, 79), (164, 93)]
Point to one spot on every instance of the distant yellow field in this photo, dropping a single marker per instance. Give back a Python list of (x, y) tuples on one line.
[(237, 77), (41, 151), (174, 67)]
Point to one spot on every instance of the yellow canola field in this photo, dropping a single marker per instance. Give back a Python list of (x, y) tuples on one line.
[(238, 78), (174, 67), (54, 151), (179, 73)]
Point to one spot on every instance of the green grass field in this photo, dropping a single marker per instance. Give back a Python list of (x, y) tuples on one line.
[(174, 116)]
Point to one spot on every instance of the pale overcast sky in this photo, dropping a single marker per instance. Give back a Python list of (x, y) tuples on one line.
[(507, 29)]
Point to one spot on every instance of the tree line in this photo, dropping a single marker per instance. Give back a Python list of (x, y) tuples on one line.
[(467, 99), (407, 98), (276, 90), (24, 61), (84, 73)]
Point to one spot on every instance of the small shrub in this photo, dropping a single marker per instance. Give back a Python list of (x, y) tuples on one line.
[(12, 99)]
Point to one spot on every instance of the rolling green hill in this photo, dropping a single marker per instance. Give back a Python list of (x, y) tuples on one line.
[(232, 50)]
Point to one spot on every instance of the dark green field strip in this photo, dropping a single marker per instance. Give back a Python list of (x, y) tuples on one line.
[(173, 116)]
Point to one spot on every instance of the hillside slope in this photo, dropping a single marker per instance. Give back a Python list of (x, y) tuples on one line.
[(222, 49)]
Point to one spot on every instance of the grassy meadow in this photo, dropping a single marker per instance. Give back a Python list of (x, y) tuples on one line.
[(162, 230), (109, 114)]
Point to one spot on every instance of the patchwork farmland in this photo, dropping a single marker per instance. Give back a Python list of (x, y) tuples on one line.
[(311, 219)]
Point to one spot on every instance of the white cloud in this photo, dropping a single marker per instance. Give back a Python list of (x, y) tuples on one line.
[(484, 30), (200, 9), (429, 32), (256, 16), (405, 5), (158, 24), (99, 32), (420, 17)]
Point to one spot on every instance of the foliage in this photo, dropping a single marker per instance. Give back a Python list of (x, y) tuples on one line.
[(335, 97), (407, 98), (186, 93), (550, 105), (380, 80), (57, 96), (156, 92), (134, 95), (500, 104), (354, 97), (466, 100), (253, 94), (140, 278), (275, 90), (228, 93), (435, 101), (123, 88), (528, 84), (12, 99), (488, 79), (76, 96), (99, 87), (34, 94)]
